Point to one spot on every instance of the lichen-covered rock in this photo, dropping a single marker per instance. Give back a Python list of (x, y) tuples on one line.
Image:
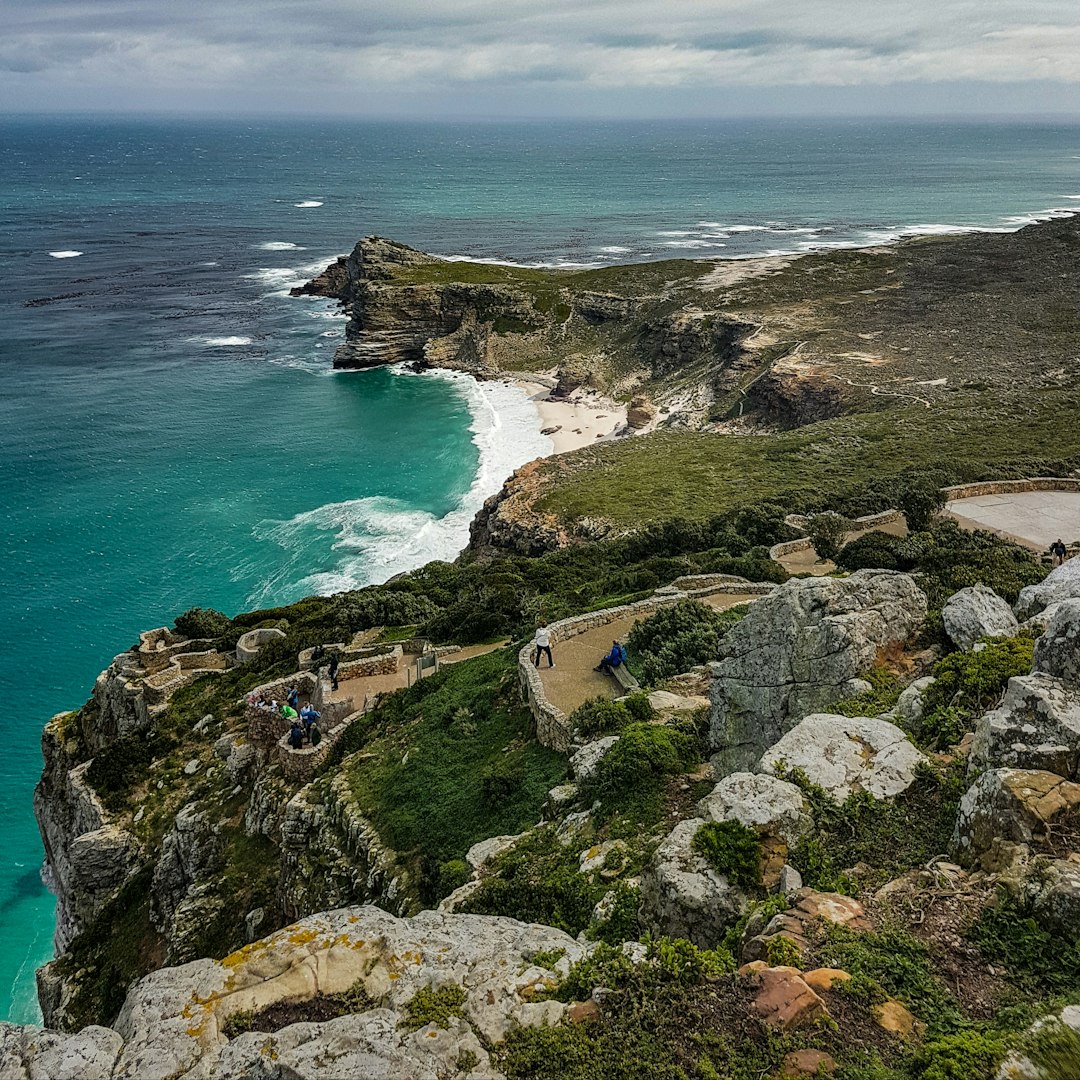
[(1012, 805), (975, 613), (31, 1053), (911, 705), (796, 651), (844, 754), (760, 802), (1057, 652), (371, 1046), (1036, 726), (1062, 583), (172, 1023), (682, 896), (584, 763), (1054, 892), (795, 923), (1017, 1066)]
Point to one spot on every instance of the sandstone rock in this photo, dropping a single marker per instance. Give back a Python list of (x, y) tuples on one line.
[(844, 754), (580, 1012), (1036, 726), (760, 802), (641, 412), (1057, 652), (803, 1063), (793, 924), (682, 896), (665, 701), (1062, 583), (826, 978), (1015, 805), (975, 613), (796, 650), (895, 1018), (784, 1001), (584, 763), (911, 705)]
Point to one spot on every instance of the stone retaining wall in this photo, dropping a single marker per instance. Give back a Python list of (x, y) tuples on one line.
[(552, 729), (183, 668), (264, 726), (1011, 487), (249, 644), (384, 663), (157, 648), (799, 521)]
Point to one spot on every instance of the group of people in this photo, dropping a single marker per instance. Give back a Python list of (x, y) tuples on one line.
[(542, 647), (303, 720)]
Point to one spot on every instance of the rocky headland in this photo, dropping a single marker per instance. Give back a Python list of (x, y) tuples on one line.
[(835, 830)]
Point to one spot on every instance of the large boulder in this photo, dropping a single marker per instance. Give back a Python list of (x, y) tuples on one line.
[(911, 705), (173, 1021), (1036, 726), (765, 803), (1057, 652), (585, 762), (682, 896), (1054, 892), (975, 613), (1015, 806), (1062, 583), (796, 652), (845, 754)]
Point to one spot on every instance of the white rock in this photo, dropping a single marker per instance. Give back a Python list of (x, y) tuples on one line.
[(482, 853), (1057, 652), (665, 701), (31, 1053), (1062, 583), (192, 767), (790, 880), (761, 802), (911, 705), (975, 613), (845, 754), (592, 859), (585, 762)]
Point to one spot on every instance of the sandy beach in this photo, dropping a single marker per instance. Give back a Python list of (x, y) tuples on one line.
[(583, 419)]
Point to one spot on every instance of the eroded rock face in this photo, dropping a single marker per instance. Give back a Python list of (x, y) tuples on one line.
[(1036, 726), (171, 1025), (1062, 583), (795, 924), (845, 754), (975, 613), (682, 896), (796, 651), (760, 802), (1055, 895), (1057, 652), (1012, 805)]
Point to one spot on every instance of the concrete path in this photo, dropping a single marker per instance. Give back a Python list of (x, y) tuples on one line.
[(572, 681), (1032, 518), (807, 561)]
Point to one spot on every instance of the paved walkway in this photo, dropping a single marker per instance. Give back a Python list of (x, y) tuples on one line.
[(572, 681), (1032, 518), (807, 561)]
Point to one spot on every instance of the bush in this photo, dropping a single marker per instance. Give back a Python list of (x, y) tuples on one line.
[(203, 623), (676, 639), (920, 500), (452, 875), (732, 850), (827, 531), (969, 1055), (644, 754), (430, 1006), (501, 780)]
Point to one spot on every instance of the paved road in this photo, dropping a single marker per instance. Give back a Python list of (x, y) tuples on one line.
[(1032, 518)]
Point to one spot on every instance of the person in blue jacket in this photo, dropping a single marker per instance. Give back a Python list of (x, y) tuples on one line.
[(613, 659)]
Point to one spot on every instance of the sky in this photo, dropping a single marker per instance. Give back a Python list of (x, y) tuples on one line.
[(479, 58)]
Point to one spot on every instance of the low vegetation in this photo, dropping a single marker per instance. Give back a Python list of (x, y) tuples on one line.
[(676, 639)]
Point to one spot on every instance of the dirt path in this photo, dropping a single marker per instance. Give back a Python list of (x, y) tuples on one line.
[(572, 681), (807, 561)]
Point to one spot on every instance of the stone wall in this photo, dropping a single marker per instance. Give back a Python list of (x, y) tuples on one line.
[(264, 725), (552, 729), (249, 644), (1011, 487), (801, 522), (383, 663)]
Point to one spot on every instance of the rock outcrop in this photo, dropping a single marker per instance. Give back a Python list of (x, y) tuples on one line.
[(796, 652), (173, 1022), (682, 896), (765, 803), (846, 754), (1057, 652), (1062, 583), (975, 613)]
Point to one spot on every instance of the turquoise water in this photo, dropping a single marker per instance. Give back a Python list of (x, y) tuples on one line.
[(170, 434)]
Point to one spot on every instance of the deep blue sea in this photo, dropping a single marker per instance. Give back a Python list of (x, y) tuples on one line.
[(170, 431)]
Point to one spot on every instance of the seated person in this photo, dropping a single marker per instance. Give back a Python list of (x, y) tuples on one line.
[(613, 659)]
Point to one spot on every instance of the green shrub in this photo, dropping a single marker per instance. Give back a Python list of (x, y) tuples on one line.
[(682, 960), (826, 531), (500, 780), (430, 1006), (781, 951), (600, 716), (238, 1023), (968, 1055), (965, 685), (732, 850), (623, 922), (203, 623), (676, 639), (1055, 1048), (644, 754), (883, 696), (920, 500), (452, 875)]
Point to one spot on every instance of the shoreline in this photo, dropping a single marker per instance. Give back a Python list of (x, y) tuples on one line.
[(583, 419)]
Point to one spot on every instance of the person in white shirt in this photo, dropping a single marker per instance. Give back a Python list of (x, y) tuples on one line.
[(542, 641)]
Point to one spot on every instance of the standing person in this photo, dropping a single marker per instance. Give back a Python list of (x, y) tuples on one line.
[(542, 641), (1058, 551), (314, 733), (309, 714), (613, 659), (334, 669), (296, 735), (293, 698)]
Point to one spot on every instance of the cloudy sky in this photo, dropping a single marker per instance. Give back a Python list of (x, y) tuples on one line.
[(542, 57)]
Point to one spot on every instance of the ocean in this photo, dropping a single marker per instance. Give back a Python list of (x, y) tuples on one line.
[(171, 434)]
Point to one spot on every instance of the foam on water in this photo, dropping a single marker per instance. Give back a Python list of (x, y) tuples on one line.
[(374, 538), (234, 341), (307, 203), (279, 245), (65, 254)]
